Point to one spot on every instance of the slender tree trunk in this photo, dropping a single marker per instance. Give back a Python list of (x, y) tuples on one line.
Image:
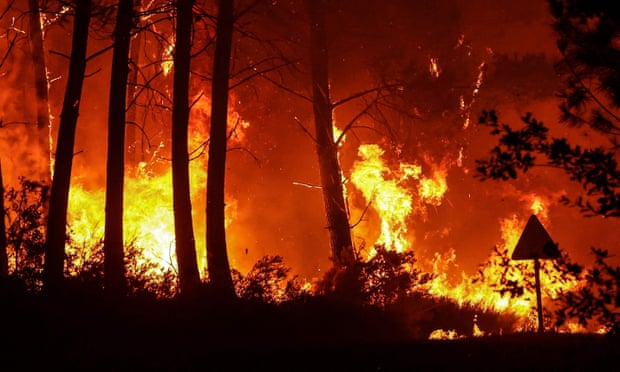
[(327, 151), (217, 256), (59, 198), (113, 267), (41, 88), (132, 148), (4, 260), (189, 277)]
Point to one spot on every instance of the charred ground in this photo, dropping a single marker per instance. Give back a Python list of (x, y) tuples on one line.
[(82, 330)]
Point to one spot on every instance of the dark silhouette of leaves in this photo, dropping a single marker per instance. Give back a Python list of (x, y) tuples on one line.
[(595, 169)]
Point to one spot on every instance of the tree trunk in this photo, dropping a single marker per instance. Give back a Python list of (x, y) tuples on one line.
[(57, 219), (189, 278), (217, 256), (43, 171), (114, 268), (329, 167), (4, 260), (132, 148)]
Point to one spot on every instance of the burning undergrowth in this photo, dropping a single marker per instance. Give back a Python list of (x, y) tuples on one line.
[(498, 299)]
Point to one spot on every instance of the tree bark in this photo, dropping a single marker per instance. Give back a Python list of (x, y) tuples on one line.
[(132, 148), (4, 260), (43, 127), (113, 267), (327, 151), (217, 256), (189, 277), (57, 219)]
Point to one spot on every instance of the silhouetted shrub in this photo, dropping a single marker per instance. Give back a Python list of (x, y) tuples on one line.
[(144, 276), (26, 230), (383, 279), (390, 275), (597, 298), (268, 281)]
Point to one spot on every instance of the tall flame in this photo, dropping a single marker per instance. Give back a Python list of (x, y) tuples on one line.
[(390, 195), (148, 212)]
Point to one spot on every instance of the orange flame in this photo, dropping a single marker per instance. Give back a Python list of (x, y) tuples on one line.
[(387, 193), (148, 212)]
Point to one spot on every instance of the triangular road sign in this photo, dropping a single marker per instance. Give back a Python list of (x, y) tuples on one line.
[(535, 243)]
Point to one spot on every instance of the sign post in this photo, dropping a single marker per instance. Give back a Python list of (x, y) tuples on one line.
[(536, 244)]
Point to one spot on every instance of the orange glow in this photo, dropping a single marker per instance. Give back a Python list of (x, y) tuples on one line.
[(483, 294), (408, 157), (148, 213), (433, 67), (392, 202), (167, 62)]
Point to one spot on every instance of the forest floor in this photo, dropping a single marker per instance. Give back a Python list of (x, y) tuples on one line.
[(92, 334)]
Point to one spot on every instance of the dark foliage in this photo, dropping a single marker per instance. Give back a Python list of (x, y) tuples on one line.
[(587, 33), (84, 265), (518, 150), (389, 276), (597, 298), (268, 282), (386, 277), (25, 229)]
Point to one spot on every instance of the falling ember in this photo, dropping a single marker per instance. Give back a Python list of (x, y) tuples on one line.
[(433, 67), (459, 160), (466, 108), (167, 61)]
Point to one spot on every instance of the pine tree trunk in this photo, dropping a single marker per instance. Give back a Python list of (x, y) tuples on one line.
[(133, 148), (41, 88), (114, 268), (327, 151), (217, 256), (4, 260), (189, 278), (59, 198)]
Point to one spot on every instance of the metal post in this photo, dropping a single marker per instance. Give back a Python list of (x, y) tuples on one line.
[(541, 327)]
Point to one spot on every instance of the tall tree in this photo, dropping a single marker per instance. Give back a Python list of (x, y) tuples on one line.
[(59, 197), (41, 89), (217, 255), (132, 87), (114, 269), (326, 148), (189, 277)]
